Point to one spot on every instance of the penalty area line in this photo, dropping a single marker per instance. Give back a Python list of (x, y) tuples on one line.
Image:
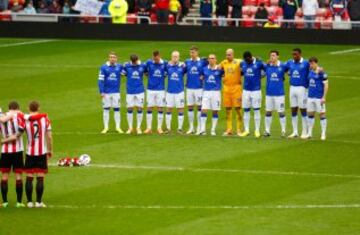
[(215, 207)]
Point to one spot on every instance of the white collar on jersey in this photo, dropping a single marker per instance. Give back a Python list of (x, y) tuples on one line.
[(254, 60), (178, 63), (277, 64), (137, 62), (216, 67), (108, 63), (196, 59), (301, 60), (161, 61)]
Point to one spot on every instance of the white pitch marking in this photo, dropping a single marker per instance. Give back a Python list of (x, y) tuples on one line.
[(199, 170), (54, 66), (344, 51), (346, 77), (192, 207), (25, 43), (248, 139)]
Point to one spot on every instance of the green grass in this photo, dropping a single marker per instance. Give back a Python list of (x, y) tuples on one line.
[(62, 75)]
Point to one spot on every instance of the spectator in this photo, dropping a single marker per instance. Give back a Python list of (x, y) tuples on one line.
[(4, 4), (29, 9), (16, 7), (236, 6), (261, 14), (104, 11), (271, 23), (339, 8), (309, 8), (175, 7), (55, 8), (323, 3), (206, 9), (144, 7), (354, 12), (118, 11), (185, 5), (289, 8), (131, 6), (66, 8), (42, 8), (222, 11), (162, 11)]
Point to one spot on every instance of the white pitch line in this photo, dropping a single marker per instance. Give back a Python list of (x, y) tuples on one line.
[(55, 66), (192, 207), (346, 77), (25, 43), (235, 137), (344, 51), (217, 170)]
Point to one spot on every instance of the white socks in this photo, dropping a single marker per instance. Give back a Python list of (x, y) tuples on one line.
[(168, 120), (323, 123), (117, 118), (160, 119), (148, 119), (282, 122), (214, 122), (203, 118), (257, 119), (246, 120), (191, 119), (130, 118), (139, 117), (294, 121), (106, 113), (311, 121), (180, 120), (268, 120)]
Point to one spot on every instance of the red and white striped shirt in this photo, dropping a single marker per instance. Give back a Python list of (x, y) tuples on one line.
[(36, 135), (13, 127)]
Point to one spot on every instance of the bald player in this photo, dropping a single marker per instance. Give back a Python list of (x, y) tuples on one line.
[(232, 91)]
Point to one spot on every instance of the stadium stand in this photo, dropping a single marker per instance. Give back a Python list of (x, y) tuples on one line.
[(330, 15)]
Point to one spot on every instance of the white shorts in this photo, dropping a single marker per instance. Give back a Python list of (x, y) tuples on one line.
[(155, 98), (175, 100), (211, 100), (314, 105), (251, 99), (275, 103), (135, 100), (298, 97), (111, 100), (194, 96)]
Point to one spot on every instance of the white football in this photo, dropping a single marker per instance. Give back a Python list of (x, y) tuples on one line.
[(84, 159)]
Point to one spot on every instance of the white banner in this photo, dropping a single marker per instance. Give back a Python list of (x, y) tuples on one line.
[(88, 7)]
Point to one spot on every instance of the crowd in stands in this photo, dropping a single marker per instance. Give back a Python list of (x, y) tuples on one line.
[(298, 13), (301, 12)]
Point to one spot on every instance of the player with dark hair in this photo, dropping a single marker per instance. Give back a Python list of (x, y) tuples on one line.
[(252, 69), (298, 73), (134, 72), (275, 93), (12, 154), (155, 95), (318, 89), (38, 151)]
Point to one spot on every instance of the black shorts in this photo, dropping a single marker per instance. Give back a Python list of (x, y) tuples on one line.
[(36, 164), (14, 161)]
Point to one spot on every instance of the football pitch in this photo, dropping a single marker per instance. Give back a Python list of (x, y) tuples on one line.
[(178, 184)]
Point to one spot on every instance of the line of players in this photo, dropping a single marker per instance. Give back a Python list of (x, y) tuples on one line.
[(39, 148), (308, 91)]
